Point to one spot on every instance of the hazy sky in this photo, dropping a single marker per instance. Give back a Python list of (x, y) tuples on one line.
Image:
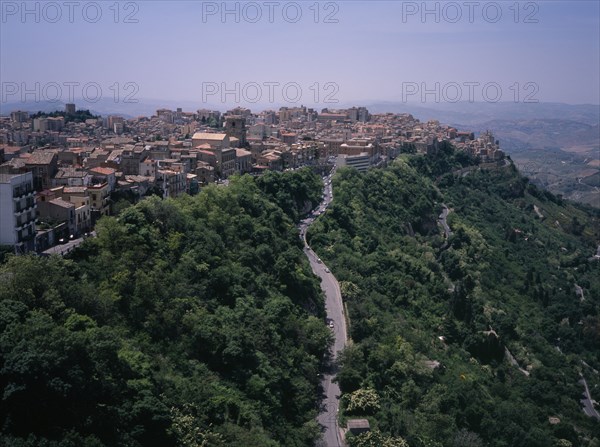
[(350, 51)]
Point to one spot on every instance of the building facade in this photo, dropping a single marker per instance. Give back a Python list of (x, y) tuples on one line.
[(19, 211)]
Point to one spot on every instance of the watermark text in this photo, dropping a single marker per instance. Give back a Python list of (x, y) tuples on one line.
[(470, 12), (68, 91), (68, 12), (270, 12), (271, 92), (469, 91)]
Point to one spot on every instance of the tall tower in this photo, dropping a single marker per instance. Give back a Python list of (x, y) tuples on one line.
[(235, 126)]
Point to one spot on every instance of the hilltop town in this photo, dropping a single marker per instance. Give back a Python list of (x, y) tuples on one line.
[(59, 173)]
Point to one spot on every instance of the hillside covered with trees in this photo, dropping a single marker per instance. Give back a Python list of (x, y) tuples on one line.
[(474, 340), (198, 322), (187, 322)]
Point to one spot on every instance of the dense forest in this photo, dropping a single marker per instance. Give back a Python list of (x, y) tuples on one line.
[(188, 322), (477, 339)]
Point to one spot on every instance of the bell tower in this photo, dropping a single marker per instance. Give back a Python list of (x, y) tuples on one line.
[(235, 126)]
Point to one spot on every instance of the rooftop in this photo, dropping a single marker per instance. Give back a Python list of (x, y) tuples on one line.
[(137, 178), (358, 424), (6, 178), (242, 152), (206, 152), (70, 173), (15, 163), (75, 189), (62, 203), (209, 136), (103, 171), (40, 158)]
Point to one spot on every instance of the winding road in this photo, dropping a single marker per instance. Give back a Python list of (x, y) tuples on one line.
[(587, 402), (332, 437), (442, 220)]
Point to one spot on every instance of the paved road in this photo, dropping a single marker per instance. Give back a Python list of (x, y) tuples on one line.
[(442, 220), (596, 256), (335, 313), (63, 249), (514, 362), (588, 405)]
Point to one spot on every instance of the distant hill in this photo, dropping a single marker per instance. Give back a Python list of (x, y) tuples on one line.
[(554, 144), (556, 154), (539, 133), (468, 113)]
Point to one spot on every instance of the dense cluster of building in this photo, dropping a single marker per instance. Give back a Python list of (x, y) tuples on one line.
[(59, 175)]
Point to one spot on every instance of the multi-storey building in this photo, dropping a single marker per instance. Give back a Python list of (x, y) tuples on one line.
[(228, 166), (78, 196), (131, 157), (218, 143), (18, 116), (43, 166), (235, 127), (18, 211), (99, 200), (243, 161), (172, 183), (360, 161)]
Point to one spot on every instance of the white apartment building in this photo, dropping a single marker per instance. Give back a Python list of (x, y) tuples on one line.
[(17, 210), (360, 162)]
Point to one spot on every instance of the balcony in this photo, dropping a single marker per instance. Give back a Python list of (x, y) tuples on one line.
[(26, 238), (29, 205), (23, 220), (23, 194), (23, 191)]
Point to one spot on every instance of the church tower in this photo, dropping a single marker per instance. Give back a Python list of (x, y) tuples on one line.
[(235, 126)]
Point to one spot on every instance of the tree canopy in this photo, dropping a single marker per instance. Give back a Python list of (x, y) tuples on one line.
[(431, 319), (186, 322)]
